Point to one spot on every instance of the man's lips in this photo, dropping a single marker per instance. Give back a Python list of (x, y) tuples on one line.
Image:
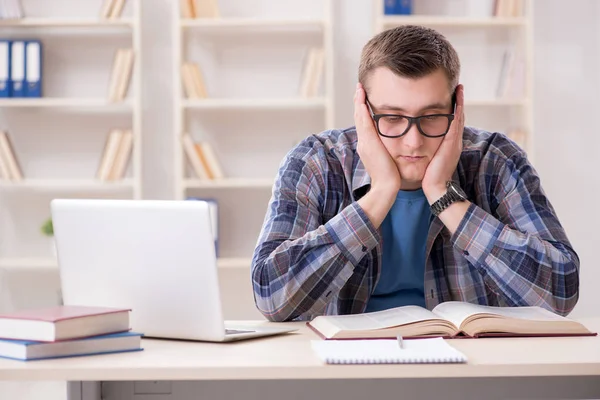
[(412, 158)]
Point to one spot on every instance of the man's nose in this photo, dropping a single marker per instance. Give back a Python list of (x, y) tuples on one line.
[(413, 137)]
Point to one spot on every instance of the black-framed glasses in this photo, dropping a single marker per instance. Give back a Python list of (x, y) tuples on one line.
[(396, 125)]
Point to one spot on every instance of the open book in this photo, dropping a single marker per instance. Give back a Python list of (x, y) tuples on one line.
[(449, 319)]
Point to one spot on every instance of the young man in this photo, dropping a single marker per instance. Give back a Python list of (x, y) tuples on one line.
[(409, 207)]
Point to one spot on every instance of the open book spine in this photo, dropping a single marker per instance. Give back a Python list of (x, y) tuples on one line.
[(121, 74), (508, 8), (200, 9), (202, 158), (112, 9), (116, 155), (193, 81), (312, 72), (10, 168)]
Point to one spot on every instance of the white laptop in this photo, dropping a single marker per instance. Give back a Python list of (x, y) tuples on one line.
[(156, 257)]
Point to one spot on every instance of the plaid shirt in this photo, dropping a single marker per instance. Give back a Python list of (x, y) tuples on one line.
[(318, 253)]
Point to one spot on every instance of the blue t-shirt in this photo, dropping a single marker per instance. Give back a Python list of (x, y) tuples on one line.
[(404, 232)]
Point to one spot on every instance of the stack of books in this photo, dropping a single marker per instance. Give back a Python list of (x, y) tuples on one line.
[(66, 331)]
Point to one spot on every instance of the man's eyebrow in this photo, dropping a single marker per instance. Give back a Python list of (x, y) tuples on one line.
[(433, 106)]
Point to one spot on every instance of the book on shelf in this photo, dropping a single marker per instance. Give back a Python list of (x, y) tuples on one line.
[(519, 136), (115, 155), (312, 72), (11, 9), (508, 8), (121, 74), (65, 322), (199, 9), (193, 81), (202, 158), (453, 319), (29, 350), (112, 9), (511, 82), (10, 168)]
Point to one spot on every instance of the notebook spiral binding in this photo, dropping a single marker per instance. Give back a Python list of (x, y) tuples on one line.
[(396, 361)]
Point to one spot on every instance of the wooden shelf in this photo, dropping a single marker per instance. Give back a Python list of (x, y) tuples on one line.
[(283, 103), (67, 23), (51, 263), (244, 24), (29, 262), (234, 263), (68, 184), (228, 183), (66, 102), (441, 21)]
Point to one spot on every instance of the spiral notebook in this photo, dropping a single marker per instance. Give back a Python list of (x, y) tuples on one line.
[(386, 351)]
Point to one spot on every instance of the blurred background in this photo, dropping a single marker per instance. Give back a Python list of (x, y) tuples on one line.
[(166, 99)]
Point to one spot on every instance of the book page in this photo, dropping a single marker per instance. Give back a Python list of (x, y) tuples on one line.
[(457, 312), (383, 319)]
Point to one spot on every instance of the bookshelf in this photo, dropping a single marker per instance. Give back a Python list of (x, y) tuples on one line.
[(482, 36), (58, 138), (247, 103)]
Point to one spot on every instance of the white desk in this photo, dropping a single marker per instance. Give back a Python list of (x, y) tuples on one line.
[(290, 358)]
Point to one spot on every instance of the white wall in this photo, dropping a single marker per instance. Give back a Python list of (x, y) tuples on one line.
[(567, 61)]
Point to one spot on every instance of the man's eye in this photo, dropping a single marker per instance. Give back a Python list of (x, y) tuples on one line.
[(393, 119)]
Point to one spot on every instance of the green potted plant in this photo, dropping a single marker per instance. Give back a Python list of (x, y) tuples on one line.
[(47, 230)]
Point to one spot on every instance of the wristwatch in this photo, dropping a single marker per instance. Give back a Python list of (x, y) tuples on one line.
[(453, 194)]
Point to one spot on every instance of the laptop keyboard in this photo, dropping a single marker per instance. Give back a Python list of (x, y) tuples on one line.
[(234, 331)]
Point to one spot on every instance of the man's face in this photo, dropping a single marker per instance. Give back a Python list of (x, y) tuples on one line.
[(391, 94)]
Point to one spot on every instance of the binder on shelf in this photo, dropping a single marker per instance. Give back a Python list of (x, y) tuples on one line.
[(5, 85), (17, 68), (33, 70), (213, 207), (397, 7)]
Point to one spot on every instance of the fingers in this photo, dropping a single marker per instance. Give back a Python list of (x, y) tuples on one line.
[(457, 125), (362, 117)]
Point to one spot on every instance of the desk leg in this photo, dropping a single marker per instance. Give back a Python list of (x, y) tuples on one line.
[(83, 390)]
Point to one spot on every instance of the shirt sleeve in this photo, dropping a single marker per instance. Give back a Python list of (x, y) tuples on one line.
[(521, 249), (301, 262)]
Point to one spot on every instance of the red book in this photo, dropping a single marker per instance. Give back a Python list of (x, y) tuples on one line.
[(57, 323)]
